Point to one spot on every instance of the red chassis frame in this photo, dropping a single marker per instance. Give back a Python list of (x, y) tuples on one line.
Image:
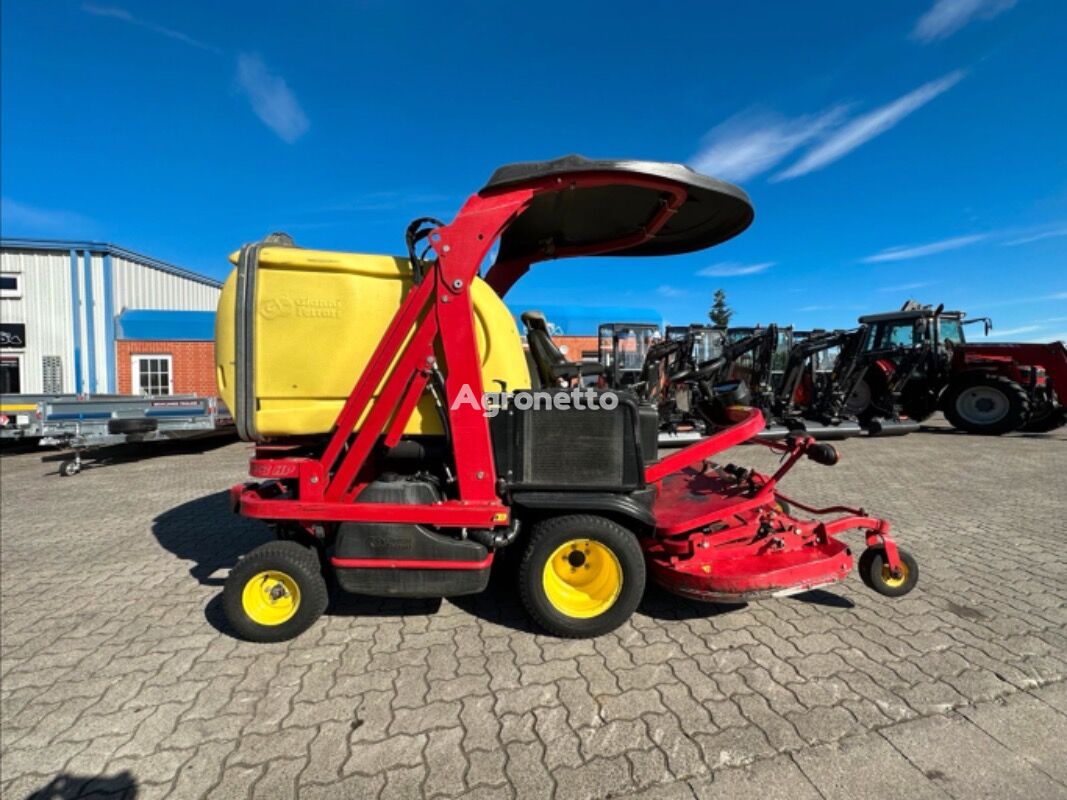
[(438, 312)]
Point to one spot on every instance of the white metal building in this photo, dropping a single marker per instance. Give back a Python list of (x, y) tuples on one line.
[(59, 305)]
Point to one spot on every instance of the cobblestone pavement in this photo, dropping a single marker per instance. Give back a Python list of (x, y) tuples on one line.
[(118, 678)]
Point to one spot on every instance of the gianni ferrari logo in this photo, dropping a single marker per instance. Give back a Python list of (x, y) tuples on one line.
[(303, 307), (576, 398)]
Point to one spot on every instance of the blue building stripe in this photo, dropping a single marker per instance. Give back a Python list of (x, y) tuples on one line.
[(176, 412), (110, 323), (75, 316), (90, 318)]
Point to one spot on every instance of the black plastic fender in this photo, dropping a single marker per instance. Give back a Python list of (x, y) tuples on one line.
[(635, 505)]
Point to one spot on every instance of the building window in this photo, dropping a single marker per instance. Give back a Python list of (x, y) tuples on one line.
[(153, 375), (10, 374), (10, 284)]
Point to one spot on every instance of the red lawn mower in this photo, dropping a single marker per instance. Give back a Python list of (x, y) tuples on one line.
[(406, 485)]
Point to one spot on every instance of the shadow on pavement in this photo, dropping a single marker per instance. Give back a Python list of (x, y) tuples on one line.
[(122, 786), (97, 457), (658, 603), (821, 597), (1014, 434), (206, 532)]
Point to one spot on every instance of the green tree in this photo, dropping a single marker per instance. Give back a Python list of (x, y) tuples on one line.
[(720, 313)]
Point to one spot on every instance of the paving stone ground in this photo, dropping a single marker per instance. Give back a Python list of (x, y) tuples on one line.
[(118, 678)]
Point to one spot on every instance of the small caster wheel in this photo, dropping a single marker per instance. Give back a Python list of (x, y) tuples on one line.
[(875, 573), (69, 468), (275, 593)]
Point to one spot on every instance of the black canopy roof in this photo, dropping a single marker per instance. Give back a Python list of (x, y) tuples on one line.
[(713, 211)]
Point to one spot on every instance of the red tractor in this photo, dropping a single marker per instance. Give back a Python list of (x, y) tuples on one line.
[(918, 360)]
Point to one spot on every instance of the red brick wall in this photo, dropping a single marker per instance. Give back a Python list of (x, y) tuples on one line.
[(193, 364), (574, 346)]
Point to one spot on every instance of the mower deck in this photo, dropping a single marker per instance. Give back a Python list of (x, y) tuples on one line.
[(718, 540)]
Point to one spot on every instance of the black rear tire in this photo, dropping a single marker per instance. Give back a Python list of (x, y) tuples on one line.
[(986, 404), (917, 401), (1048, 418), (301, 566), (611, 541)]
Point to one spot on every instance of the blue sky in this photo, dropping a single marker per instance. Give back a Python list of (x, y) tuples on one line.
[(892, 150)]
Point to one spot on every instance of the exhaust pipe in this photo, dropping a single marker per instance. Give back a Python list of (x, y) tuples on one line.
[(773, 433), (843, 430), (891, 427)]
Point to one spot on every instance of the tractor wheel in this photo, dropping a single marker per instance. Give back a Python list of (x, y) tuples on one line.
[(581, 575), (918, 403), (859, 402), (986, 403), (875, 573), (1048, 418), (275, 593)]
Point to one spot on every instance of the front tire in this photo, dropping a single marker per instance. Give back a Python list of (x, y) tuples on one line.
[(581, 575), (875, 573), (1046, 419), (275, 593), (987, 404)]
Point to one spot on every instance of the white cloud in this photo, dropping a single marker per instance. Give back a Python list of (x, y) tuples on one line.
[(22, 218), (755, 140), (945, 17), (671, 291), (271, 99), (733, 269), (918, 251), (907, 287), (1052, 337), (1019, 301), (862, 129), (121, 14), (809, 309), (1037, 237), (995, 334)]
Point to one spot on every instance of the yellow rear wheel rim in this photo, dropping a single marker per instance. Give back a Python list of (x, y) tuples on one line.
[(897, 582), (270, 597), (582, 578)]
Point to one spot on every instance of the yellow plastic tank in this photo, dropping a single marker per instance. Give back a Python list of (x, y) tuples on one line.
[(311, 321)]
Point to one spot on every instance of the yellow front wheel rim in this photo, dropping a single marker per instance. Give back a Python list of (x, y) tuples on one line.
[(270, 598), (582, 578), (899, 580)]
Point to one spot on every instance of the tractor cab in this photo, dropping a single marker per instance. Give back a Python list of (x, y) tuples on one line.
[(918, 326), (700, 343), (622, 348), (762, 365)]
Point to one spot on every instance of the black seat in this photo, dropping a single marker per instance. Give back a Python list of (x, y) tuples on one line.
[(552, 366)]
